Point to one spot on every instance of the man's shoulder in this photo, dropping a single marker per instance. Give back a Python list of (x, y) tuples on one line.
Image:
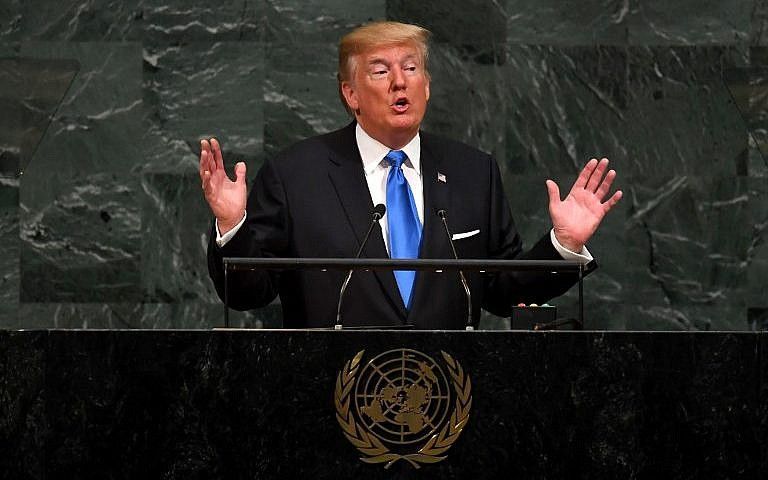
[(445, 147), (338, 142)]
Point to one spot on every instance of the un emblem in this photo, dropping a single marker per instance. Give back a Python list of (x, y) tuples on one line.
[(402, 406)]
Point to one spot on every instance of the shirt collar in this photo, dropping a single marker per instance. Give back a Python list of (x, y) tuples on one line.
[(373, 152)]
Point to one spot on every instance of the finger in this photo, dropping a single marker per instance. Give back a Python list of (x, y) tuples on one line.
[(207, 184), (586, 172), (204, 146), (605, 186), (612, 201), (240, 172), (206, 162), (217, 153), (203, 164), (554, 192), (597, 175)]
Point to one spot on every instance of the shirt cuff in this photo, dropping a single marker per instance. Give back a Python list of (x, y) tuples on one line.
[(583, 257), (222, 240)]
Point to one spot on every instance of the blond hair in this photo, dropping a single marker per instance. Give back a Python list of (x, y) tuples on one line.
[(375, 35)]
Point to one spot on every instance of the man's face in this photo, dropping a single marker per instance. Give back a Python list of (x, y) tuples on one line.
[(389, 91)]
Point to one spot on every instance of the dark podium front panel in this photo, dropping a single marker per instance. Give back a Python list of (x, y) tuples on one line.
[(266, 404)]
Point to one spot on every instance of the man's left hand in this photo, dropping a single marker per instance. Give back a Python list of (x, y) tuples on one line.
[(577, 217)]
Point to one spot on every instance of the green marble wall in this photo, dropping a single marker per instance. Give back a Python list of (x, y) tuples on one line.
[(102, 104)]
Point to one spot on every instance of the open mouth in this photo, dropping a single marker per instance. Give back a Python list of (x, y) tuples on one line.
[(400, 105)]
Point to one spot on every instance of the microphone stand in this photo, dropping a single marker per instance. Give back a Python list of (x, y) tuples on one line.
[(378, 212), (441, 214)]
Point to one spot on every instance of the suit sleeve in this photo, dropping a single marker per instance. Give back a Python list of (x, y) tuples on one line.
[(264, 234), (505, 289)]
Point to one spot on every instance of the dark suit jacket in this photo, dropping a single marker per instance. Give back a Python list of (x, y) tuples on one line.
[(312, 200)]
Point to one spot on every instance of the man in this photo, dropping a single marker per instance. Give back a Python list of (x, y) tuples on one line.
[(315, 200)]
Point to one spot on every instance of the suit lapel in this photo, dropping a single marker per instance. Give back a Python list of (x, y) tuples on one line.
[(348, 179), (436, 196)]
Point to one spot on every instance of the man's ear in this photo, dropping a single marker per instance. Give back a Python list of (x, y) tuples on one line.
[(350, 95), (426, 89)]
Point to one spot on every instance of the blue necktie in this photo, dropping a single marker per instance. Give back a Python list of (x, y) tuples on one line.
[(403, 222)]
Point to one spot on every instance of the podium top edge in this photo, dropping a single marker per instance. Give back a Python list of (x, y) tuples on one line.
[(239, 263), (382, 330)]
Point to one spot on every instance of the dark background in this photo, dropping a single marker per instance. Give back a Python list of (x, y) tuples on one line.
[(107, 227)]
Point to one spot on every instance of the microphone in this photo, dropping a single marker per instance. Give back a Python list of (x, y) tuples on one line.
[(378, 213), (442, 215)]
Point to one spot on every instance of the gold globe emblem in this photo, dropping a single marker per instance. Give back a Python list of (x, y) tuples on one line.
[(401, 405)]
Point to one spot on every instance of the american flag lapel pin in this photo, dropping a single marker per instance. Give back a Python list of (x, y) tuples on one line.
[(441, 178)]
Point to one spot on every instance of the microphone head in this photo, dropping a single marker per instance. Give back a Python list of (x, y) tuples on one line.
[(379, 210), (441, 212)]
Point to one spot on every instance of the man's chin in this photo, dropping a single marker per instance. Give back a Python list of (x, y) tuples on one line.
[(402, 123), (395, 131)]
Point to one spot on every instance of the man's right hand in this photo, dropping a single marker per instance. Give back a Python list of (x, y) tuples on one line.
[(226, 198)]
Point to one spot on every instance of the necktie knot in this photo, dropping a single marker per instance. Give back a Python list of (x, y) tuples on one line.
[(396, 158)]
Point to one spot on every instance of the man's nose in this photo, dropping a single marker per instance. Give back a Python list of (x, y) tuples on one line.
[(398, 79)]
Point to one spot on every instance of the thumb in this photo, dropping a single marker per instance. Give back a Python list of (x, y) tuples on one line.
[(554, 192), (240, 172)]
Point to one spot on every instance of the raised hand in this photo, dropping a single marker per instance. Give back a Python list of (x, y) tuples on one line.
[(577, 217), (225, 197)]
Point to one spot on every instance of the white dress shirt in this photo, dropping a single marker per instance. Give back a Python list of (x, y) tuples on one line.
[(376, 170)]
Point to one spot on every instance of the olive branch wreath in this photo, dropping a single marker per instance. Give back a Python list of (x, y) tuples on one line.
[(376, 452)]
